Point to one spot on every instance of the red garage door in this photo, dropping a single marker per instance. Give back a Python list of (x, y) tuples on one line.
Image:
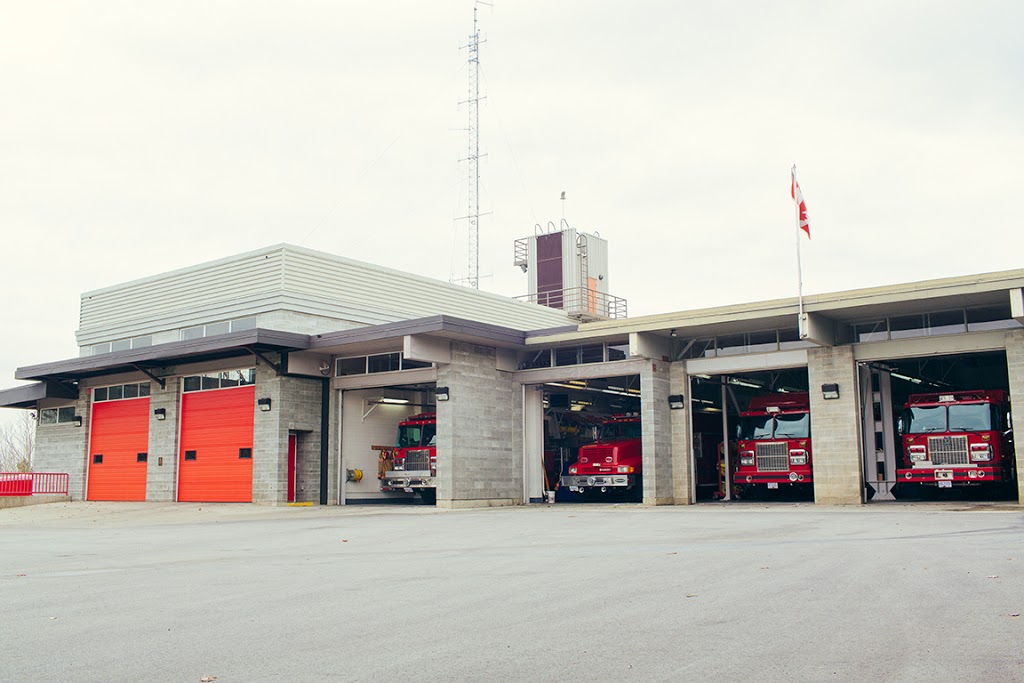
[(215, 462), (118, 450)]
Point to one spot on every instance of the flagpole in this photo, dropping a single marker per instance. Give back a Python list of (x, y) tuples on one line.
[(799, 265)]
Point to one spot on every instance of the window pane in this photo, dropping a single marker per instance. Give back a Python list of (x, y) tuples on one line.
[(243, 324), (592, 354), (218, 328), (535, 359), (211, 382), (409, 364), (992, 318), (192, 332), (385, 362), (115, 393), (121, 345), (131, 390), (193, 383), (731, 344), (946, 322), (144, 389), (66, 414), (618, 351), (874, 331), (229, 379), (568, 356), (247, 376), (100, 394), (905, 326), (100, 348), (701, 348), (140, 342), (763, 341), (48, 416), (350, 366)]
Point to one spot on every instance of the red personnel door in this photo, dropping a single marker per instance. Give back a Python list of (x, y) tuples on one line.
[(118, 450), (215, 462), (291, 468)]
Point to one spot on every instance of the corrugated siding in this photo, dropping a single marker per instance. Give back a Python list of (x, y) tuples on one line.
[(368, 287), (183, 290), (119, 432)]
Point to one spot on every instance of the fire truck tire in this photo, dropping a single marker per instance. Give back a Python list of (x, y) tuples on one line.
[(636, 494), (428, 496)]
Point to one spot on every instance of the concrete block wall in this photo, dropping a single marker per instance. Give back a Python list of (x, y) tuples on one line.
[(64, 448), (480, 440), (162, 468), (679, 420), (1015, 370), (295, 407), (836, 433), (657, 433)]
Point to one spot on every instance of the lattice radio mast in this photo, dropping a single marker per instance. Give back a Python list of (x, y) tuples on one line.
[(473, 154)]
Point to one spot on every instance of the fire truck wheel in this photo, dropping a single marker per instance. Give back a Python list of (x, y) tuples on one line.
[(429, 496)]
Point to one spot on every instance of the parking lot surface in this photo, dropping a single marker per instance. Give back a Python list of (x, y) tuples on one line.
[(152, 592)]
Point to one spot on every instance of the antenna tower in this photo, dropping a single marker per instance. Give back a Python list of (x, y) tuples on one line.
[(473, 154)]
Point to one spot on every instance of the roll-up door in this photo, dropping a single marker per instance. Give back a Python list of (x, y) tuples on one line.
[(215, 462), (118, 450)]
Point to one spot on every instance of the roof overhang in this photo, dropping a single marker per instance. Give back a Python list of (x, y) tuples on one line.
[(365, 340), (159, 356), (28, 396)]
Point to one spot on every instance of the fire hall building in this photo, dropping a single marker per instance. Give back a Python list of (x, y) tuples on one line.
[(280, 375)]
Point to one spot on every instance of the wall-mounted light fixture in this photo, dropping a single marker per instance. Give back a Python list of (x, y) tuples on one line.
[(160, 413), (77, 420), (676, 401), (264, 404), (390, 400), (672, 332), (441, 393), (829, 391)]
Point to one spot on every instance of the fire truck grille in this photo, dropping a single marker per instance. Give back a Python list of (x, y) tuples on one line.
[(417, 460), (597, 454), (948, 450), (772, 457)]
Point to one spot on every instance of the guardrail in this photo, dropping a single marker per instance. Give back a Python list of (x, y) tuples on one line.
[(581, 302), (33, 484)]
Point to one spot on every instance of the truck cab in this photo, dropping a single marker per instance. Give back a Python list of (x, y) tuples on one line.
[(957, 439), (774, 442), (611, 465), (411, 465)]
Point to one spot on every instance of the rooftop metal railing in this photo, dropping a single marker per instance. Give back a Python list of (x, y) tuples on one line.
[(581, 302)]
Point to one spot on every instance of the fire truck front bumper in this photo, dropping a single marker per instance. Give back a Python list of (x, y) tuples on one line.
[(950, 476), (397, 480), (772, 478), (592, 481)]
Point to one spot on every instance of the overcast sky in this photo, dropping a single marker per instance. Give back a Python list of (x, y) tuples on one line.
[(137, 137)]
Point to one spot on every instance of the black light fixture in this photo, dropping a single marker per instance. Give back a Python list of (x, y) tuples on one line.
[(441, 393), (672, 332), (264, 404), (160, 413), (829, 391), (676, 401), (77, 420)]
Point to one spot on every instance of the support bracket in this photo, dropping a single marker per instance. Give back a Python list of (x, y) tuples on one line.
[(275, 366), (159, 380)]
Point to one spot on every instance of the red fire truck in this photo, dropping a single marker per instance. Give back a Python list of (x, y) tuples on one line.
[(774, 444), (611, 465), (958, 438), (411, 466)]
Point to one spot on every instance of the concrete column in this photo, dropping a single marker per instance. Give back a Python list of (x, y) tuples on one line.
[(1015, 371), (657, 434), (295, 407), (479, 432), (162, 468), (682, 467), (835, 429), (64, 447)]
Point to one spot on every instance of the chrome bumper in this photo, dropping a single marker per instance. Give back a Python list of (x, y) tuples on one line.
[(407, 481), (585, 481)]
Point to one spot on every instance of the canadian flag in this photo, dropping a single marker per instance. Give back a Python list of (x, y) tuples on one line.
[(798, 198)]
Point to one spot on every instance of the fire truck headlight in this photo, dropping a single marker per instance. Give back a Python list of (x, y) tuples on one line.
[(981, 452), (798, 457), (747, 460), (572, 469), (917, 453), (399, 465), (625, 469)]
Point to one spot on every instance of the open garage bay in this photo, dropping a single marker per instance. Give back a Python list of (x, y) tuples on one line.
[(131, 591)]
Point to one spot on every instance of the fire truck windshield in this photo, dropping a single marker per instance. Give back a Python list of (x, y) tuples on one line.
[(961, 417), (970, 417), (924, 419), (794, 426), (615, 431), (756, 427), (416, 435)]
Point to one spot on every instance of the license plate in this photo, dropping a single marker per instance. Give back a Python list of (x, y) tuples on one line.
[(945, 484), (773, 484)]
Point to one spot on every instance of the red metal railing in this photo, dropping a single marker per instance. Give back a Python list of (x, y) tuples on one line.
[(33, 484)]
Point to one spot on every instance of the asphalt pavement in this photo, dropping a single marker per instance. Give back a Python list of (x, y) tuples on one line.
[(113, 592)]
